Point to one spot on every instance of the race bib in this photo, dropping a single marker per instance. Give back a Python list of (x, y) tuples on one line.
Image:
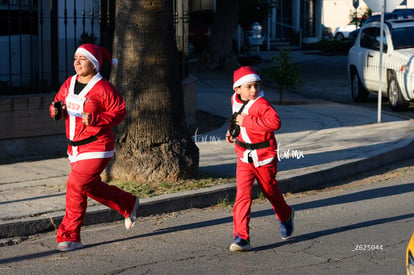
[(74, 105)]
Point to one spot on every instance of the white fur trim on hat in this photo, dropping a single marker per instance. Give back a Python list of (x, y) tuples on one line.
[(89, 56), (246, 79)]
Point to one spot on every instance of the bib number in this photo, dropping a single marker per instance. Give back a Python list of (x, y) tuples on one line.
[(74, 105)]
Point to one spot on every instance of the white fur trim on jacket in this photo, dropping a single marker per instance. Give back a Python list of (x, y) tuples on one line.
[(91, 155)]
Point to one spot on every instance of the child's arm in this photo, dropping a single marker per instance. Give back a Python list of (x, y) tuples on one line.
[(267, 120)]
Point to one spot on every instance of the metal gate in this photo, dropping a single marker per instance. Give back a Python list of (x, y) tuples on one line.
[(38, 39)]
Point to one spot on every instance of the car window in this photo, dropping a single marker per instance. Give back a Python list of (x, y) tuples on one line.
[(367, 36), (370, 39), (377, 40), (403, 38)]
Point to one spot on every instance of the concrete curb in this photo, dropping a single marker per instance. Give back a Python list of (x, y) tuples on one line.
[(212, 195)]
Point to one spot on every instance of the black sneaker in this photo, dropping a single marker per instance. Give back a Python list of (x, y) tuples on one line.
[(286, 228), (240, 244)]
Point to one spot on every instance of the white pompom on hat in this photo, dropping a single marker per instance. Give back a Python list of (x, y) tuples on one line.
[(244, 75), (96, 54)]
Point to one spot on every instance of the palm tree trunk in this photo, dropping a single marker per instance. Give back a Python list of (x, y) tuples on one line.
[(152, 142), (219, 52)]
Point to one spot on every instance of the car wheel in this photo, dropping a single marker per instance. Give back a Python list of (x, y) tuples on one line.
[(339, 36), (359, 93), (395, 99)]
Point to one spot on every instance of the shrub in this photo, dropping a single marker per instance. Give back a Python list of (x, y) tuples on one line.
[(329, 47), (284, 72)]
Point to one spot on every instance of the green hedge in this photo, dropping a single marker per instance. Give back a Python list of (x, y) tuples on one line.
[(337, 47)]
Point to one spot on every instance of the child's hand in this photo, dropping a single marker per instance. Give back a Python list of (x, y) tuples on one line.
[(229, 139), (86, 118), (55, 111), (239, 119)]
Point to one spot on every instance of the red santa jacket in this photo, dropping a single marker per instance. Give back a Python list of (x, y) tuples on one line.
[(258, 126), (103, 101)]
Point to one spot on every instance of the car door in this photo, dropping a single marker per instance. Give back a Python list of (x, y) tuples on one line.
[(372, 63), (369, 56)]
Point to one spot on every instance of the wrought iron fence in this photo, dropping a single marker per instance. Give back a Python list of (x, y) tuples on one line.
[(38, 38)]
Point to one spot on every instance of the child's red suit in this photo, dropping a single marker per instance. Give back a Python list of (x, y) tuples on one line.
[(256, 148), (88, 160)]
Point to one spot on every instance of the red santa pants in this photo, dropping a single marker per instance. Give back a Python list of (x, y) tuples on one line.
[(266, 178), (85, 181)]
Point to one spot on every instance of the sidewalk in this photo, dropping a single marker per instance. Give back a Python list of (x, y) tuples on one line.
[(319, 142)]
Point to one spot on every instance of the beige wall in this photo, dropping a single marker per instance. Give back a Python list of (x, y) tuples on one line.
[(337, 13)]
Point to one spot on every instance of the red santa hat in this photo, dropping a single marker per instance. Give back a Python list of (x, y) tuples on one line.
[(95, 54), (244, 75)]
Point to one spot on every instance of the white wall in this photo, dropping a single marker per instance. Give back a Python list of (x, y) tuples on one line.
[(337, 13), (409, 4)]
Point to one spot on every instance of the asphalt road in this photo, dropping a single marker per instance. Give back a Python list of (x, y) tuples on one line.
[(313, 68), (359, 227), (335, 84)]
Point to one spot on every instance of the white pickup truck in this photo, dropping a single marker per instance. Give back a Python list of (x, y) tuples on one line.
[(363, 67)]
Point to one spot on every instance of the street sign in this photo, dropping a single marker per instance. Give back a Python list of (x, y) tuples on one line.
[(382, 6)]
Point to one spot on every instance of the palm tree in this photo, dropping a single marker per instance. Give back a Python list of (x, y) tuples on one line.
[(152, 143)]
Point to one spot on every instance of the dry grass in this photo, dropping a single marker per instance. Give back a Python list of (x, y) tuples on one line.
[(156, 189), (204, 122)]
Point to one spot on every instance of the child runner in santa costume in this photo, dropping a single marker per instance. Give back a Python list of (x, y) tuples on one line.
[(90, 106), (256, 149)]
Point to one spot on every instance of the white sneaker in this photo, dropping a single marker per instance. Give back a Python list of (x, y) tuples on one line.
[(68, 246), (130, 221)]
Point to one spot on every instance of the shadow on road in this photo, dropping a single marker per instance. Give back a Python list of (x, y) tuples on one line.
[(348, 198)]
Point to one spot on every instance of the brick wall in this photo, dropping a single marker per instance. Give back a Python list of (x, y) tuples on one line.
[(26, 129), (27, 116)]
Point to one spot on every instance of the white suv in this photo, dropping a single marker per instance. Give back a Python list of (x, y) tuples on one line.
[(397, 62), (343, 32)]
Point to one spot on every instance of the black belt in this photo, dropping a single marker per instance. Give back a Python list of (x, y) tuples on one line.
[(82, 142), (253, 146)]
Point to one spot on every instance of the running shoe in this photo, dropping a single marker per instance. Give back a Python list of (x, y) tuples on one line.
[(240, 244), (130, 221), (68, 246), (286, 228)]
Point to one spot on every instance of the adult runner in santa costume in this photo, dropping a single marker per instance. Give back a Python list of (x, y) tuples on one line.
[(90, 106), (256, 149)]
